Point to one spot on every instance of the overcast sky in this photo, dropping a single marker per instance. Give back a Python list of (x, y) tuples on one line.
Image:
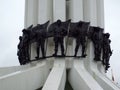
[(12, 22), (112, 25)]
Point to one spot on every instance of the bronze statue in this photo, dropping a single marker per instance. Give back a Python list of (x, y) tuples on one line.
[(81, 34), (20, 50), (106, 50), (25, 42), (79, 30), (58, 33), (40, 35), (97, 38), (23, 46)]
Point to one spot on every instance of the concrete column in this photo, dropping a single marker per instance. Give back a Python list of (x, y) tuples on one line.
[(90, 14), (76, 10), (44, 11), (31, 12), (57, 77), (100, 13), (90, 11), (59, 10), (75, 14), (80, 79)]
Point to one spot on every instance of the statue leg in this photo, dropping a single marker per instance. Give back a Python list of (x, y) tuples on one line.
[(107, 59), (83, 49), (56, 46), (23, 56), (62, 46), (38, 50), (42, 48), (99, 52), (107, 65), (77, 47), (95, 52), (27, 53), (103, 56)]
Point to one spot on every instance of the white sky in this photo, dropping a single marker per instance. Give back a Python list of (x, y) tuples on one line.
[(12, 22), (112, 25)]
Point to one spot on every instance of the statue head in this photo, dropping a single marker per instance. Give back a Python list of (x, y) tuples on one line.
[(59, 22), (107, 35), (20, 38), (80, 23)]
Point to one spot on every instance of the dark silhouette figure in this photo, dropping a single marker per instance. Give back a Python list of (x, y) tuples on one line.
[(40, 39), (106, 50), (97, 38), (38, 35), (25, 42), (59, 32), (23, 46), (81, 34), (20, 51)]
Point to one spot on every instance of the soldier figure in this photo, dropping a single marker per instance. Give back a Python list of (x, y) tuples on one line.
[(20, 51), (59, 33), (81, 33), (97, 41), (25, 42), (23, 48), (106, 50), (40, 39)]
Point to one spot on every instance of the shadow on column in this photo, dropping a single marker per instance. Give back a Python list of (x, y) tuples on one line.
[(67, 84)]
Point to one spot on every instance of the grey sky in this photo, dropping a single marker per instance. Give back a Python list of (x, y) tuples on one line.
[(12, 21), (112, 25)]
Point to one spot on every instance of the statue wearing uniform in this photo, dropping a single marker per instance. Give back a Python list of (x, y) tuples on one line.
[(81, 34), (106, 50), (40, 39), (20, 51), (97, 38), (58, 35)]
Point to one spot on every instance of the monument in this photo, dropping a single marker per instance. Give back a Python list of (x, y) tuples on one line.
[(40, 69)]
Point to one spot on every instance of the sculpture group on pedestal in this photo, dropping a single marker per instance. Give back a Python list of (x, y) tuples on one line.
[(80, 31)]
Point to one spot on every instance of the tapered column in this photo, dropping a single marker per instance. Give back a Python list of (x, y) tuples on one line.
[(76, 14), (57, 77), (44, 11), (59, 10), (31, 15), (76, 10), (78, 74), (100, 13), (90, 12)]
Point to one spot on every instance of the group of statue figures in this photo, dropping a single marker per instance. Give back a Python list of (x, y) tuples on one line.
[(81, 31)]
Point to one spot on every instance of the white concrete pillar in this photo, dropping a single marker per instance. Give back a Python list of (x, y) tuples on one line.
[(100, 13), (80, 79), (31, 15), (44, 11), (76, 10), (75, 14), (90, 12), (59, 10), (57, 77)]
